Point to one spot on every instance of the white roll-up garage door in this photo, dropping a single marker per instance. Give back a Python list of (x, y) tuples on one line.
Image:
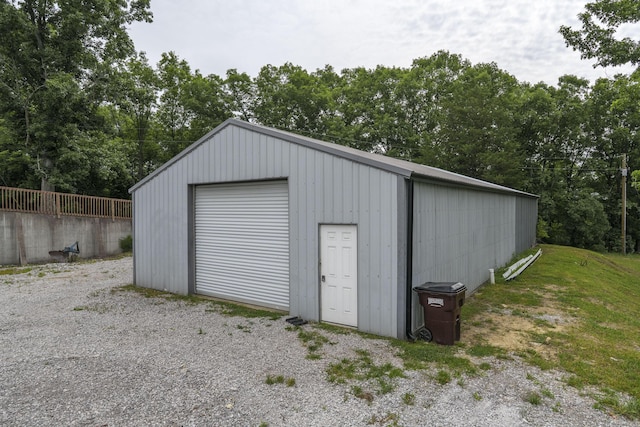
[(242, 242)]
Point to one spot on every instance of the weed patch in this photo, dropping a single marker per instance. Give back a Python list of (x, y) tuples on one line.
[(313, 341), (221, 307), (14, 270), (243, 328), (409, 399), (280, 379), (358, 392), (609, 400), (97, 308), (443, 377), (484, 350), (533, 397), (363, 369), (389, 419), (237, 310), (420, 355)]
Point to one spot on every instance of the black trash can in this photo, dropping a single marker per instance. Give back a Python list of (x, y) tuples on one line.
[(442, 303)]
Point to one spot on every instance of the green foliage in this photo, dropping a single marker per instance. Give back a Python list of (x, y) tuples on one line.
[(222, 307), (443, 377), (477, 136), (189, 104), (390, 419), (14, 270), (635, 179), (364, 369), (314, 341), (126, 243), (334, 329), (484, 350), (586, 222), (533, 397), (542, 230), (279, 379), (360, 393), (409, 399), (597, 37), (55, 56), (420, 355), (288, 97)]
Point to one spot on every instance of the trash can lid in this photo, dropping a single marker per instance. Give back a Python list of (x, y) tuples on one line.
[(441, 287)]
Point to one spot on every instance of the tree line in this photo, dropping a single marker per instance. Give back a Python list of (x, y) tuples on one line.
[(81, 111)]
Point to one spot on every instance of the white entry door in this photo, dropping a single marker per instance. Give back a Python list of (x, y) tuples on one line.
[(339, 274)]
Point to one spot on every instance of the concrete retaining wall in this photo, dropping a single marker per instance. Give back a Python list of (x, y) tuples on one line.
[(28, 238)]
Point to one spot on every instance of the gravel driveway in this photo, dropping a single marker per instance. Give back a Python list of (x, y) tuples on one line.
[(72, 352)]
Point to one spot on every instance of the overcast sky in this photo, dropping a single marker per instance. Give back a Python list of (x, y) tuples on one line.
[(521, 36)]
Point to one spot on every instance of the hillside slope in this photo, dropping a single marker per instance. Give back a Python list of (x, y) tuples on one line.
[(573, 310)]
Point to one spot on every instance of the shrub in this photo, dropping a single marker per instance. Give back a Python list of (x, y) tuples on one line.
[(126, 243)]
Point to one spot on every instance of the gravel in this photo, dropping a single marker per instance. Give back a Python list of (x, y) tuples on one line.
[(73, 352)]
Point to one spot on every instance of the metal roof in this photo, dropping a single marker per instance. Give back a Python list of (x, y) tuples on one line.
[(400, 167)]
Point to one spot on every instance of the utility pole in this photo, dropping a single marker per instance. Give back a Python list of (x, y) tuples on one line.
[(624, 204)]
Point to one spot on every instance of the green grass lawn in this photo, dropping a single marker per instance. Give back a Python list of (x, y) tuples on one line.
[(573, 310)]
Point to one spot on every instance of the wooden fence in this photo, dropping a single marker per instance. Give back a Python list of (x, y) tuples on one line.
[(51, 203)]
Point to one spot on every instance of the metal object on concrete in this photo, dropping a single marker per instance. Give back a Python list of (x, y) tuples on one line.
[(69, 253)]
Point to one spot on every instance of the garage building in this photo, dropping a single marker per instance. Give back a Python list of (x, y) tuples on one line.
[(321, 231)]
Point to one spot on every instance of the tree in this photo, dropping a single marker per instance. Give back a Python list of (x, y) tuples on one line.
[(584, 223), (15, 170), (371, 109), (422, 91), (54, 60), (612, 122), (477, 135), (597, 37), (189, 106), (289, 98), (136, 98), (206, 101), (174, 77), (241, 94)]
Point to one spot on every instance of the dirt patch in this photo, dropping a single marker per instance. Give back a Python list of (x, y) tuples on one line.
[(528, 329)]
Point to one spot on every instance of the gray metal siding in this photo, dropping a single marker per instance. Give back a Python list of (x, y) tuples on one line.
[(458, 234), (526, 222), (323, 189), (157, 246)]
